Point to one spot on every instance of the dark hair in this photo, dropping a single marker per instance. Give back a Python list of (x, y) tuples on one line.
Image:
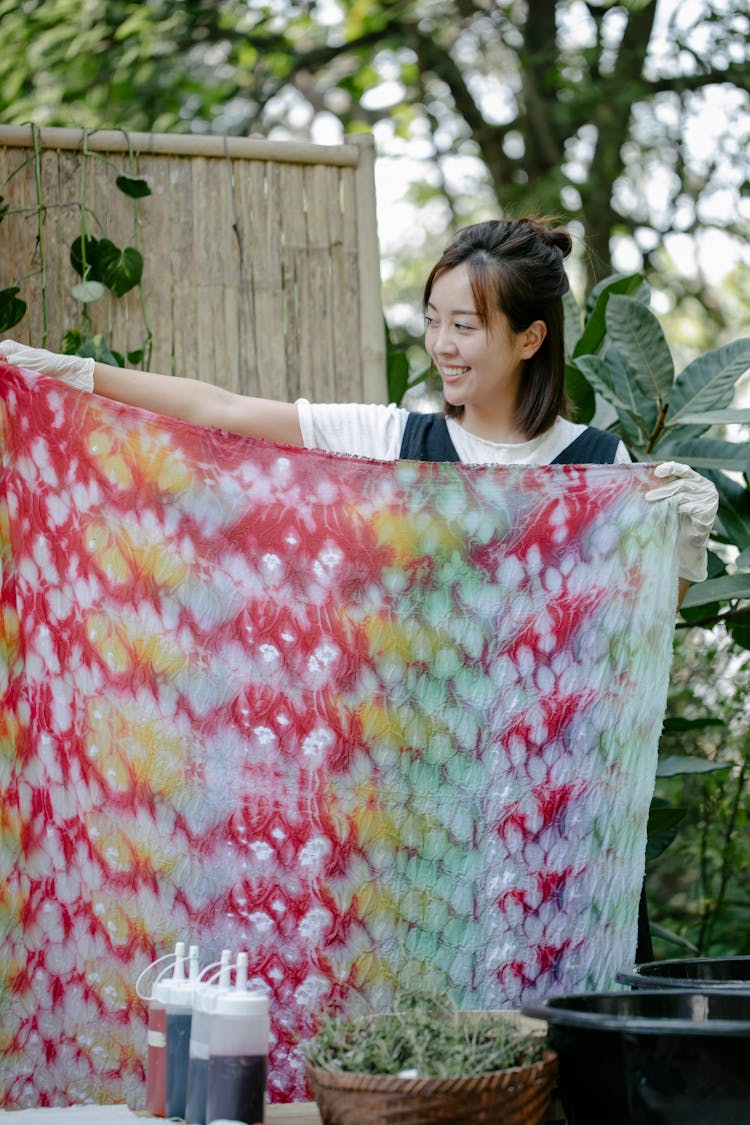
[(516, 268)]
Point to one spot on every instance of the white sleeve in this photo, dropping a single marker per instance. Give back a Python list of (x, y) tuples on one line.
[(361, 430), (622, 457)]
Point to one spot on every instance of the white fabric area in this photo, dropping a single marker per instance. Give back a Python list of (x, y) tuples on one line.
[(374, 430)]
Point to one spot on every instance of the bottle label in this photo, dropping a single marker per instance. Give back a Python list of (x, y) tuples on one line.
[(156, 1038)]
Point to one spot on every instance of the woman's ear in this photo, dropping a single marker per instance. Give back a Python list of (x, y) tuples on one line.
[(532, 338)]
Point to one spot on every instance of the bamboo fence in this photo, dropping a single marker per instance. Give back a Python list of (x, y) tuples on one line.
[(261, 265)]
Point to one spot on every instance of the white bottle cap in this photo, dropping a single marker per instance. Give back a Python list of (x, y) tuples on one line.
[(178, 990)]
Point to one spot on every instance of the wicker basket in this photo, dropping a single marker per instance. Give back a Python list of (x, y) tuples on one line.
[(517, 1096)]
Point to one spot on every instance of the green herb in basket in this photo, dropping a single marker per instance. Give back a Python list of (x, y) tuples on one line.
[(425, 1034)]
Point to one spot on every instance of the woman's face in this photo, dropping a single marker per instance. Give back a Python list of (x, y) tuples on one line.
[(480, 366)]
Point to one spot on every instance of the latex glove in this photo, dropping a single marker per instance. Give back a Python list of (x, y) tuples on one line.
[(71, 369), (697, 506)]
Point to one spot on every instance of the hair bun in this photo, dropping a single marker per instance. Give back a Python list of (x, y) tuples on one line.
[(559, 238)]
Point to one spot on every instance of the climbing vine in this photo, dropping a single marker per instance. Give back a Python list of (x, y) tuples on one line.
[(98, 265)]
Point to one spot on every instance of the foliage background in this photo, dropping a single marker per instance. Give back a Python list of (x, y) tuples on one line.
[(630, 121)]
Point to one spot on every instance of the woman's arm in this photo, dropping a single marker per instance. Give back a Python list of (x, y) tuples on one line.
[(187, 399), (202, 403)]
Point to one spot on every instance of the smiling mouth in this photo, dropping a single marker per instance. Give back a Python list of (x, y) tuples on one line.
[(449, 374)]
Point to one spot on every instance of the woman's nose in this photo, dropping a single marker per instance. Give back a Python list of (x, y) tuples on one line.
[(444, 341)]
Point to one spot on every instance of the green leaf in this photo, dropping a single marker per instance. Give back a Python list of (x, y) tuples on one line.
[(631, 284), (90, 245), (673, 938), (95, 348), (675, 765), (674, 724), (609, 380), (571, 321), (706, 453), (738, 625), (709, 381), (4, 208), (71, 341), (743, 559), (133, 187), (88, 291), (728, 588), (397, 373), (580, 393), (120, 270), (135, 358), (12, 308), (595, 330), (716, 417), (638, 337), (663, 823), (732, 524)]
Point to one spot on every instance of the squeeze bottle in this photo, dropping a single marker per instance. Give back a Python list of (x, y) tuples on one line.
[(176, 994), (203, 1001), (238, 1057), (156, 1039)]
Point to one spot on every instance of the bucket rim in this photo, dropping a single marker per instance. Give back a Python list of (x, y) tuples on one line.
[(555, 1013)]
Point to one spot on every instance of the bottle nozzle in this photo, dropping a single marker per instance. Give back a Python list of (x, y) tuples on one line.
[(240, 976), (226, 961), (178, 973)]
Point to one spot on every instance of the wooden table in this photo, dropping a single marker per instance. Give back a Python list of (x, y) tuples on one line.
[(298, 1113)]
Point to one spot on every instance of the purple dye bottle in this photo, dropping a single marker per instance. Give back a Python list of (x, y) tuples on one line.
[(239, 1032)]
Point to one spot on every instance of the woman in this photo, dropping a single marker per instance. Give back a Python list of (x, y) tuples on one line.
[(494, 331)]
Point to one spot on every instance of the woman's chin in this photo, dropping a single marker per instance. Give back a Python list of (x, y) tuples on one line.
[(452, 395)]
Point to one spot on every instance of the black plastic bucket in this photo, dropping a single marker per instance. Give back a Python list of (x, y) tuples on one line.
[(662, 1057), (693, 973)]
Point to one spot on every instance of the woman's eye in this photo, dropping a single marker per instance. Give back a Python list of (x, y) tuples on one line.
[(428, 321), (464, 327)]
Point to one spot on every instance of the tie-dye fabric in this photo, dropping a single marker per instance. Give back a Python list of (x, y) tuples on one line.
[(375, 723)]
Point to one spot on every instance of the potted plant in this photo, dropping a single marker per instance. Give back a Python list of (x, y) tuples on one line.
[(425, 1061)]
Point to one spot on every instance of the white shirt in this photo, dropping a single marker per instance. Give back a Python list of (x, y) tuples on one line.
[(373, 430)]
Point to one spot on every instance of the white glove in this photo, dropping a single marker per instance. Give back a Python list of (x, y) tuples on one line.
[(71, 369), (697, 507)]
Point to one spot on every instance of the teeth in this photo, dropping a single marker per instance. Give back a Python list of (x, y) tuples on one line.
[(454, 370)]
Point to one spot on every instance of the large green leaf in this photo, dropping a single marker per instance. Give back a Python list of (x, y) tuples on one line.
[(717, 417), (611, 382), (632, 284), (727, 588), (638, 337), (708, 382), (594, 333), (707, 453)]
